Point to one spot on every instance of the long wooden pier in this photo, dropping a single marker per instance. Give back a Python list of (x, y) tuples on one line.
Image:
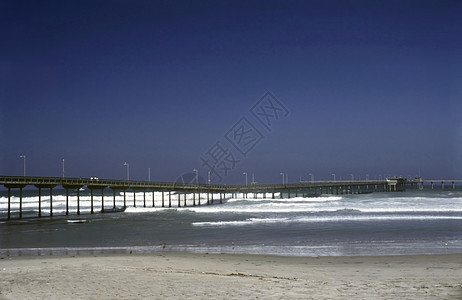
[(304, 189)]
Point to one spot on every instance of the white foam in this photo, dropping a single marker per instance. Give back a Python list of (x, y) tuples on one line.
[(314, 219)]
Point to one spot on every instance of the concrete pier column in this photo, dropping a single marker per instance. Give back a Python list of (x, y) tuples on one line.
[(51, 202), (91, 200), (144, 198), (179, 203), (134, 198), (102, 199), (125, 197), (453, 185), (194, 198), (442, 185), (153, 200), (9, 203), (40, 202), (67, 202), (113, 199), (272, 197), (221, 198), (199, 196), (163, 198), (169, 198), (431, 183), (208, 202), (211, 198), (184, 196), (68, 187), (288, 193), (78, 201)]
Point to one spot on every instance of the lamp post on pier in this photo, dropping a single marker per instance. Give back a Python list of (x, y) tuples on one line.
[(312, 177), (128, 170), (334, 176), (197, 175), (23, 156), (63, 168), (245, 173), (282, 174)]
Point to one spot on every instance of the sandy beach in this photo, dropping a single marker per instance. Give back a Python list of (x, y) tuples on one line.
[(220, 276)]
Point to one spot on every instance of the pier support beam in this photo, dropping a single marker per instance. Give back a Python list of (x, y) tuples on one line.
[(67, 187), (12, 186), (96, 187), (78, 201), (40, 202), (50, 186), (9, 203)]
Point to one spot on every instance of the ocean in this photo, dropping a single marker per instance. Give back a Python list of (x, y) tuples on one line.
[(401, 223)]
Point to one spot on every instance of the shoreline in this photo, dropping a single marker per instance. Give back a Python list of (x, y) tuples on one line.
[(222, 276)]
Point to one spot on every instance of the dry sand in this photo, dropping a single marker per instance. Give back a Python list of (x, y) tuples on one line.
[(220, 276)]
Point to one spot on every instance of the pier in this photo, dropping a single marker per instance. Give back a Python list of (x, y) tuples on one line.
[(175, 194), (434, 183)]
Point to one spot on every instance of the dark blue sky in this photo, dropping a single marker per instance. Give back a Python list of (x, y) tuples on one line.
[(370, 87)]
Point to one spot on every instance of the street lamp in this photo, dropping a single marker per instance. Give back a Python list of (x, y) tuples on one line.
[(282, 174), (367, 177), (128, 170), (63, 168), (334, 176), (23, 156), (209, 177), (352, 177), (253, 178), (245, 173), (312, 177), (149, 174), (197, 175)]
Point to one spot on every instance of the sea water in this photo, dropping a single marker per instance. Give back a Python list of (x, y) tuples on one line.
[(400, 223)]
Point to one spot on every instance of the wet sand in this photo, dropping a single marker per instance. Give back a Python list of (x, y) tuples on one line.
[(221, 276)]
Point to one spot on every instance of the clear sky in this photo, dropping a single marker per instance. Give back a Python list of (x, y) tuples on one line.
[(356, 87)]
